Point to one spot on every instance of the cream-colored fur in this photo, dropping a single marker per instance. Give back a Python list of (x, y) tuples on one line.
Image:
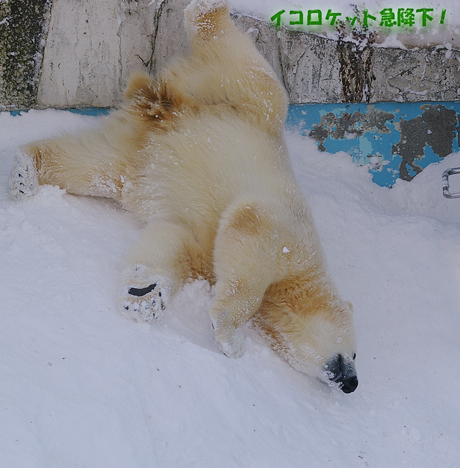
[(199, 157)]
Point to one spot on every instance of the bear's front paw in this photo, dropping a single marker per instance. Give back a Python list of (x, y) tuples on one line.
[(23, 181), (144, 296), (230, 342)]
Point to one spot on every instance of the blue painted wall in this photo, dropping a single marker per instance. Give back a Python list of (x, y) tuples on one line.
[(393, 139)]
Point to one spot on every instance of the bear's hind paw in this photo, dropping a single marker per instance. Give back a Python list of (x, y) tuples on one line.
[(23, 181), (143, 304), (144, 297)]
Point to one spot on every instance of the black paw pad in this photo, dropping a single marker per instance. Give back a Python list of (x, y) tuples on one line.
[(139, 292)]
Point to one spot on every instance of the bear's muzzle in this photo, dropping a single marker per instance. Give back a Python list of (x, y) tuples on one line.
[(342, 373)]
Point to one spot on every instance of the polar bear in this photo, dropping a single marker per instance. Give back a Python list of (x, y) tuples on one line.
[(199, 157)]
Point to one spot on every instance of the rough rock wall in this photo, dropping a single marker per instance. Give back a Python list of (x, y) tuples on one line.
[(23, 29), (68, 53)]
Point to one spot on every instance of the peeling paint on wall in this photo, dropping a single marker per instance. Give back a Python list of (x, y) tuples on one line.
[(436, 128), (392, 140), (347, 126)]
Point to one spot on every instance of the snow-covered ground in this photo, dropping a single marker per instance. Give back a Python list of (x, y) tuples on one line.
[(80, 386)]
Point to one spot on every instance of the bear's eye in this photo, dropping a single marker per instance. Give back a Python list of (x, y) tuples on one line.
[(354, 356)]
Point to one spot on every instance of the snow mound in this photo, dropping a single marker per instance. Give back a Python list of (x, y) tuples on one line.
[(83, 386)]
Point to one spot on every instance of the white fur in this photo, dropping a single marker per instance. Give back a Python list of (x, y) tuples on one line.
[(199, 157)]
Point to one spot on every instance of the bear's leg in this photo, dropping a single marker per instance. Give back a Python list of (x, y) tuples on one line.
[(206, 20), (226, 68), (164, 257), (245, 265), (88, 164)]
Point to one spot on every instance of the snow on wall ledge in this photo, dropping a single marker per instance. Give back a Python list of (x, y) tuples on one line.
[(80, 54)]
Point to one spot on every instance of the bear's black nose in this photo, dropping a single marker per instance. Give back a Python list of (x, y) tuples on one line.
[(342, 373), (349, 385)]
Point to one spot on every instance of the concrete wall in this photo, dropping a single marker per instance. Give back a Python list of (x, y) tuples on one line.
[(79, 53)]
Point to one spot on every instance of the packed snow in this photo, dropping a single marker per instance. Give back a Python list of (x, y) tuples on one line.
[(81, 386)]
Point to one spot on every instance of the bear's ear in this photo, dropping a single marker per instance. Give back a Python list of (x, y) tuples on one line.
[(139, 85), (350, 306)]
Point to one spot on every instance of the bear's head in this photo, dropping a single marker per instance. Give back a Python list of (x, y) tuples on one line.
[(327, 339), (315, 337)]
